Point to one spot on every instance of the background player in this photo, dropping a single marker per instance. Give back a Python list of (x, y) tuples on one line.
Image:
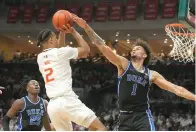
[(31, 110), (54, 65), (134, 81)]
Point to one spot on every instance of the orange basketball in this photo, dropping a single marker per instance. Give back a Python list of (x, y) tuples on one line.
[(60, 18)]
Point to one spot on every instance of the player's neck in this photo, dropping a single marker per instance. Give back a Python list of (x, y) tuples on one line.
[(33, 98), (138, 65), (47, 47)]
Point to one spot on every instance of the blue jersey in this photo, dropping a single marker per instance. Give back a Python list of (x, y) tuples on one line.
[(133, 88), (31, 116)]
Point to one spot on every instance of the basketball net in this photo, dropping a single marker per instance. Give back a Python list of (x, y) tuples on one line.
[(184, 42)]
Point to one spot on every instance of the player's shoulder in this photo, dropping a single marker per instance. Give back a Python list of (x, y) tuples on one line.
[(45, 101), (19, 103)]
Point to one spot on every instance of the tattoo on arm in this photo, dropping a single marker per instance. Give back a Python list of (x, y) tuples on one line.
[(96, 39)]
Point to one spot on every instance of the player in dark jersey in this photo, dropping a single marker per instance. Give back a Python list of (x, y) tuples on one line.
[(134, 79), (31, 110)]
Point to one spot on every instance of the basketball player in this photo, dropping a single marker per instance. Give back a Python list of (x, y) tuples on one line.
[(134, 79), (31, 110), (54, 65)]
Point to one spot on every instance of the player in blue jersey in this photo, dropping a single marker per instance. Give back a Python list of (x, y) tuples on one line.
[(31, 110)]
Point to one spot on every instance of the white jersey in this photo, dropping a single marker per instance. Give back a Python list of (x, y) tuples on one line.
[(54, 65)]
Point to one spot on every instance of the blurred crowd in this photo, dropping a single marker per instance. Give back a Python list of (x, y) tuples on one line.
[(26, 57), (95, 74)]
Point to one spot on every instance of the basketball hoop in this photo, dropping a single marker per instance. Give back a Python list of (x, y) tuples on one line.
[(184, 42)]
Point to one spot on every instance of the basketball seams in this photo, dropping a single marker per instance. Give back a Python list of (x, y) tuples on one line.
[(66, 17), (61, 18)]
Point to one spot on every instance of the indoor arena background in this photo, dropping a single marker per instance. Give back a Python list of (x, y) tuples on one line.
[(119, 23)]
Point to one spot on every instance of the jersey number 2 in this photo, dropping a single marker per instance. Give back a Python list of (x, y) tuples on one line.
[(48, 75), (134, 89)]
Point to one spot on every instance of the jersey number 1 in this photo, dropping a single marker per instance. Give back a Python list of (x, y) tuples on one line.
[(48, 75), (134, 89)]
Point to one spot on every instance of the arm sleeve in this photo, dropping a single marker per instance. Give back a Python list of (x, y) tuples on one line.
[(67, 52), (5, 123)]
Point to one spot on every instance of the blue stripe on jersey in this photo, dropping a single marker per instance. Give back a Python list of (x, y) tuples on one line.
[(149, 77), (44, 105), (125, 70), (118, 85), (152, 127), (148, 90), (20, 122)]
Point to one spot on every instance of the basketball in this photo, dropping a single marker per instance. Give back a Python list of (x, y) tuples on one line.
[(60, 18)]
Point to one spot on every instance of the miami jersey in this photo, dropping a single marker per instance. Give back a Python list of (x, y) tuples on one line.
[(54, 65)]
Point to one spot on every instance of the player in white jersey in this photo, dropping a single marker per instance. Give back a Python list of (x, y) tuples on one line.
[(54, 65)]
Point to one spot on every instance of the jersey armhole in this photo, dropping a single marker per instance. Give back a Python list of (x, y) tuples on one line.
[(149, 76), (44, 104), (24, 105), (125, 70)]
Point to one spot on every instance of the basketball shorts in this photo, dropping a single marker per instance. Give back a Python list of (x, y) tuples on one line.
[(136, 121), (63, 110)]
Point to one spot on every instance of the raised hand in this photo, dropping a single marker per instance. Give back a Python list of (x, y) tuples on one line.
[(79, 21), (67, 29)]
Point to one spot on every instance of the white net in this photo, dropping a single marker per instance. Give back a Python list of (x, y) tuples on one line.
[(184, 42)]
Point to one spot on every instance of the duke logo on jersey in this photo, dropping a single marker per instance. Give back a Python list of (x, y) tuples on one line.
[(35, 116), (35, 120)]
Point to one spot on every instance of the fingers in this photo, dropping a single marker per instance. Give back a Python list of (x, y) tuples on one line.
[(66, 28)]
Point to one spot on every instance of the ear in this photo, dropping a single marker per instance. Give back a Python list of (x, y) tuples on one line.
[(50, 41), (144, 55)]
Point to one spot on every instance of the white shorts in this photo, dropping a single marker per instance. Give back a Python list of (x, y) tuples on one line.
[(63, 110)]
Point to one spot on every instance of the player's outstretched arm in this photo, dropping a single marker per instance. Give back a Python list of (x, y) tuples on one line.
[(16, 106), (166, 85), (45, 120), (115, 59), (83, 49)]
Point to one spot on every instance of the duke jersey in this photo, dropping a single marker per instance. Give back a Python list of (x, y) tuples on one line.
[(31, 116), (133, 88), (54, 65)]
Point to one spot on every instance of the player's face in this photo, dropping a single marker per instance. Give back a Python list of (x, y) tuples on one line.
[(33, 87), (54, 40), (138, 52)]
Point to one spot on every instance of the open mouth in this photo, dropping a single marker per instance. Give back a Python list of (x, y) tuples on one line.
[(37, 88)]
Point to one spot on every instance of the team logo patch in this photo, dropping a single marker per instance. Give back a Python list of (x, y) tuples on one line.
[(41, 106), (146, 76)]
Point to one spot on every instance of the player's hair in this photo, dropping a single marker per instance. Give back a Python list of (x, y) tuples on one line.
[(23, 91), (142, 43), (43, 36)]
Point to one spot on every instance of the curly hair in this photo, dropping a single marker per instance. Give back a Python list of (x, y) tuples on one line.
[(142, 43)]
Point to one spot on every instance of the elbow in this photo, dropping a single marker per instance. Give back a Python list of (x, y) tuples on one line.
[(85, 54), (87, 51)]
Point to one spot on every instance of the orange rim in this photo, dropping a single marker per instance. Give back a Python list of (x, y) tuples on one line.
[(167, 29)]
